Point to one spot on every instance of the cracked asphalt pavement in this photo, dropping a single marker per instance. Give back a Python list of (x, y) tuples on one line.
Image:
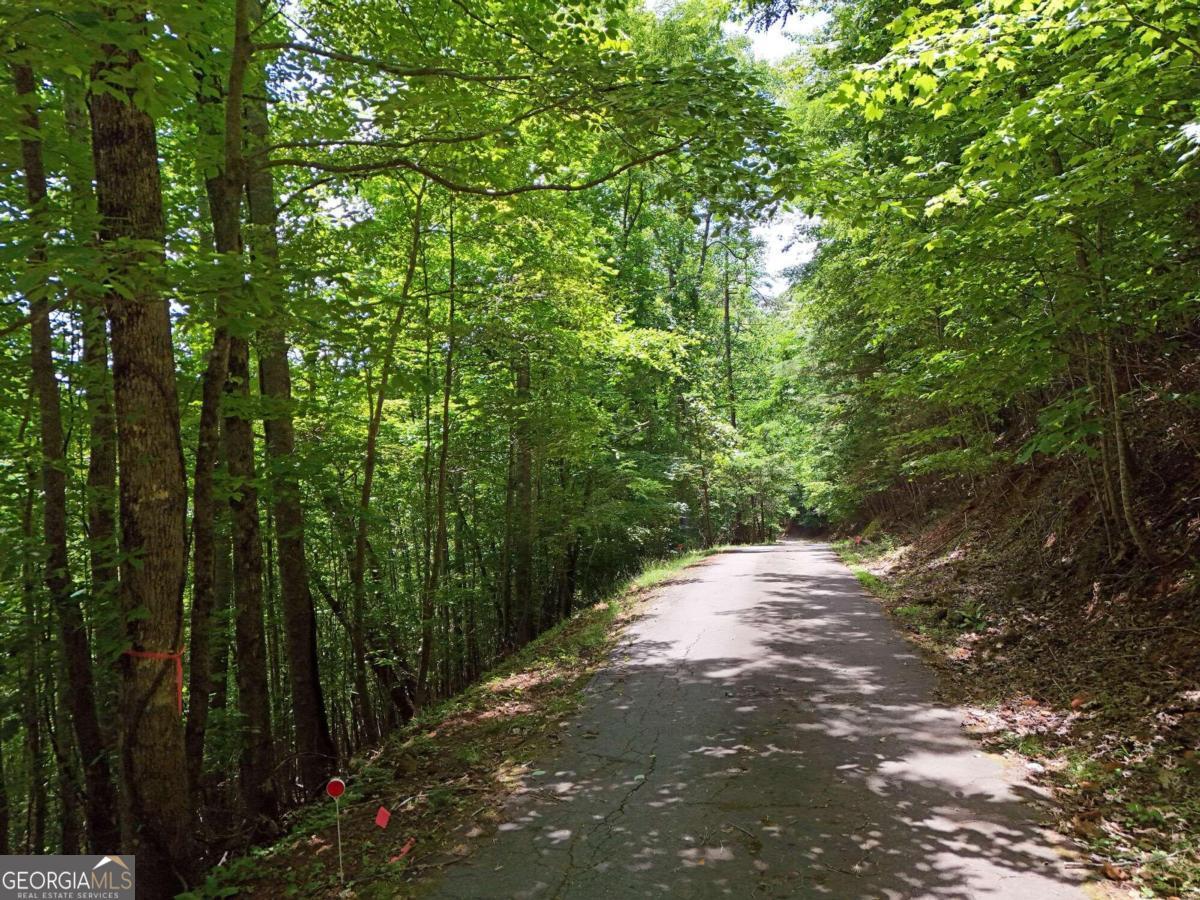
[(763, 731)]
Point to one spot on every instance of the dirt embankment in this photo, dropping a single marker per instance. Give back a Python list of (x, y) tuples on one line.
[(1073, 648)]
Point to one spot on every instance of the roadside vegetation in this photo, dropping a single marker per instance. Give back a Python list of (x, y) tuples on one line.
[(445, 777), (348, 347), (1098, 705), (345, 350), (993, 389)]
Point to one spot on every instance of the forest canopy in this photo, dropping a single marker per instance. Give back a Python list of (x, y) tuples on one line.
[(349, 345), (347, 350)]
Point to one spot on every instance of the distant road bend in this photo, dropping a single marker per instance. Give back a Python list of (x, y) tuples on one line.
[(764, 732)]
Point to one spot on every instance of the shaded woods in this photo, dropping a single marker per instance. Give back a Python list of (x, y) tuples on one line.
[(337, 366), (345, 350)]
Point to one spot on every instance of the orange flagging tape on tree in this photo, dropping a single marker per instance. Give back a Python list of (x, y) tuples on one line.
[(177, 657)]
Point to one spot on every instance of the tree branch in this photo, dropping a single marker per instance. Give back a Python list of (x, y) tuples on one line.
[(374, 168), (382, 65)]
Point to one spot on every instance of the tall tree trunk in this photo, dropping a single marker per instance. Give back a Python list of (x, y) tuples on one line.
[(101, 799), (313, 742), (97, 385), (523, 490), (698, 284), (433, 580), (506, 613), (221, 618), (223, 204), (200, 684), (257, 765), (426, 513), (223, 209), (223, 191), (728, 335), (314, 745), (358, 560), (35, 806), (470, 635), (157, 822)]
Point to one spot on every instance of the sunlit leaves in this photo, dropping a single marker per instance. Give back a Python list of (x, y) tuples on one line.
[(1002, 185)]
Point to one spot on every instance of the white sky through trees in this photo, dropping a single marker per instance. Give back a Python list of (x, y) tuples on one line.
[(784, 248)]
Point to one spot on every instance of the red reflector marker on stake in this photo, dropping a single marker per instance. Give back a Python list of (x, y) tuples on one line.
[(335, 789)]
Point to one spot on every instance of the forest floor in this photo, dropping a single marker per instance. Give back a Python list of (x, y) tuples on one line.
[(1093, 680), (444, 778)]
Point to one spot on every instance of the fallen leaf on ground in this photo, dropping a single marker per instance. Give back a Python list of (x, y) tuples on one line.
[(1115, 872)]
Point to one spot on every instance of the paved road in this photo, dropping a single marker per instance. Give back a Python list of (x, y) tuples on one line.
[(763, 732)]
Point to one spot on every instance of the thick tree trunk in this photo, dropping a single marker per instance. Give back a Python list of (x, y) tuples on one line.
[(257, 766), (100, 799), (158, 822)]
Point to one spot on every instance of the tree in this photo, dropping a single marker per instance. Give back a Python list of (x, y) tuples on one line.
[(157, 819), (101, 821), (482, 383)]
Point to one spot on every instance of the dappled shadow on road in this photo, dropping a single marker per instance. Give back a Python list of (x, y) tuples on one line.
[(766, 736)]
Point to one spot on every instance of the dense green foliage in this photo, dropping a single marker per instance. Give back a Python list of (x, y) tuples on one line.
[(486, 267), (1008, 197), (345, 347)]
